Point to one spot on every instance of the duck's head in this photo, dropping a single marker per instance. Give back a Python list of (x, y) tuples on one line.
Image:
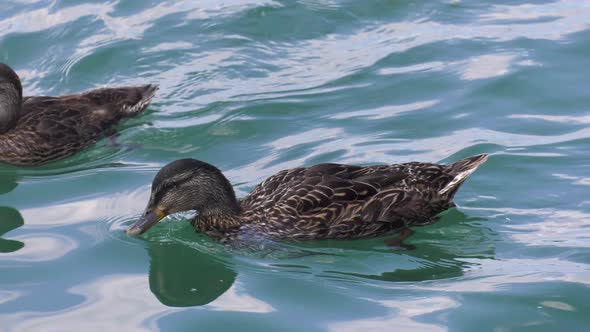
[(11, 96), (184, 185)]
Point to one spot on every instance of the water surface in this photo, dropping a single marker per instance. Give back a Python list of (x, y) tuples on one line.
[(255, 87)]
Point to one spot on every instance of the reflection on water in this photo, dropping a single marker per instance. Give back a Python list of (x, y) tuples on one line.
[(404, 314), (10, 219), (191, 270), (117, 300), (42, 247), (181, 276), (442, 250), (258, 86), (8, 180)]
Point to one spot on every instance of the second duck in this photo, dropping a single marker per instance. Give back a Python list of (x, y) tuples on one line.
[(38, 130)]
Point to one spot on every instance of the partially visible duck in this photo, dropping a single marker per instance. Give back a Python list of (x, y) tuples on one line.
[(38, 130), (325, 201)]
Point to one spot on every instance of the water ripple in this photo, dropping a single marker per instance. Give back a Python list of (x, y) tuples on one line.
[(259, 86), (40, 247)]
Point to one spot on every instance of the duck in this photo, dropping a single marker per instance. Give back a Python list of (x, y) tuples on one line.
[(319, 202), (37, 130)]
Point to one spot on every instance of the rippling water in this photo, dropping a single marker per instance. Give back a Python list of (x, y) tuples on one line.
[(255, 87)]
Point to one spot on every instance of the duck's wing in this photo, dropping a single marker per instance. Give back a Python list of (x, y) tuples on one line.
[(51, 128), (294, 183), (309, 188), (306, 203), (97, 104), (427, 191), (321, 195), (332, 201)]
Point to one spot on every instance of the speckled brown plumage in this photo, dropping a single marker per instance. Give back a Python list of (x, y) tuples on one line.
[(325, 201), (46, 129)]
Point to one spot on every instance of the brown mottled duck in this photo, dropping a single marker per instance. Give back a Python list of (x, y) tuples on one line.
[(38, 130), (325, 201)]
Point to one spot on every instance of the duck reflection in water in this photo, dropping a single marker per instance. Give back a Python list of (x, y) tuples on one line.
[(8, 180), (10, 219), (181, 276), (447, 250)]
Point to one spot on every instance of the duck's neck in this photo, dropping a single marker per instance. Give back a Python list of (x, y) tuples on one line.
[(221, 210), (218, 222), (11, 98), (8, 115)]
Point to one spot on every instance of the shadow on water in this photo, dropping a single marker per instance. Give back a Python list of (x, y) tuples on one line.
[(442, 251), (187, 271), (10, 219), (181, 276), (8, 180)]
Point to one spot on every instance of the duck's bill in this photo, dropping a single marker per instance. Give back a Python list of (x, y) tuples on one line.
[(149, 218)]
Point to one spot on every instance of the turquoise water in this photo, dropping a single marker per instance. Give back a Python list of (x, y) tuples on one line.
[(255, 87)]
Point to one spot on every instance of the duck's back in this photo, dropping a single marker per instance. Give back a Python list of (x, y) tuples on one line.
[(343, 201), (52, 128)]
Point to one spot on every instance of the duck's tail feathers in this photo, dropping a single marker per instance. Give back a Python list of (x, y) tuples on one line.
[(461, 170), (142, 96)]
